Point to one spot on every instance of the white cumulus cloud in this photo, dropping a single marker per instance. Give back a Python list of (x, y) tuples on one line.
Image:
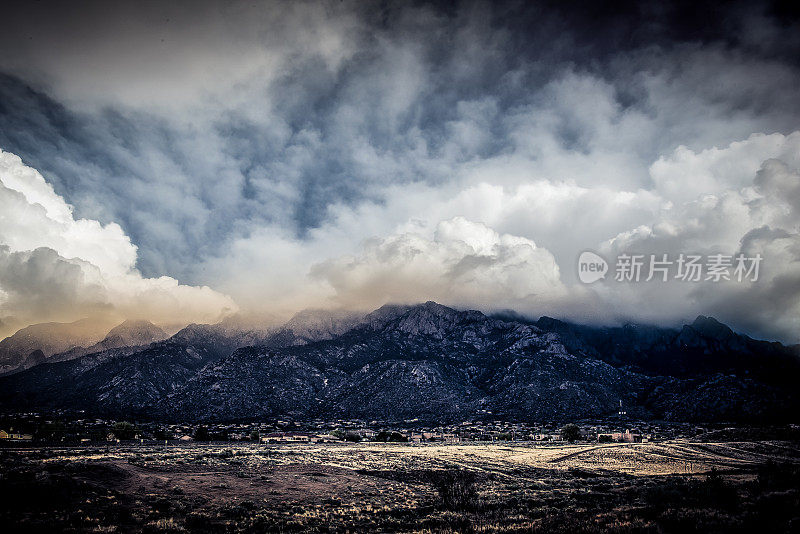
[(464, 263), (56, 267), (748, 203)]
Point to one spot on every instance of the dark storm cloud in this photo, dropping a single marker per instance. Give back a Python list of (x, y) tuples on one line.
[(466, 51), (99, 162), (232, 139)]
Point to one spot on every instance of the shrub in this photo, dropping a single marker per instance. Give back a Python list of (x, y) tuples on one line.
[(456, 489), (397, 437), (571, 432), (777, 476), (718, 493), (352, 436), (123, 430)]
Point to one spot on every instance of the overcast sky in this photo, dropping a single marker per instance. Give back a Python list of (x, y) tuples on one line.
[(185, 161)]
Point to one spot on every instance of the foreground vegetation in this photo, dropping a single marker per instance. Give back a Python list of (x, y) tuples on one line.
[(401, 488)]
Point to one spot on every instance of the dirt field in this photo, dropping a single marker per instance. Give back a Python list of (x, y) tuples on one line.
[(664, 487)]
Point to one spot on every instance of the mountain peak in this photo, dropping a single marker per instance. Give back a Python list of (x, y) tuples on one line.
[(193, 331), (133, 332), (435, 308), (432, 318), (50, 338), (263, 323), (384, 314), (320, 324), (710, 327), (133, 324)]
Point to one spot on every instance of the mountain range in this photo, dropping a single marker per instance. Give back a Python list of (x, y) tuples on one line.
[(427, 362)]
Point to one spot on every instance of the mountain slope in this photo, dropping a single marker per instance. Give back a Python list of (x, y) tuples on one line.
[(133, 333), (309, 326), (121, 380), (429, 362), (126, 334), (127, 380), (702, 348), (49, 339)]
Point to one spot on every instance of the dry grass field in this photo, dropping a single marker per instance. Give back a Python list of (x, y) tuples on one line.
[(677, 486)]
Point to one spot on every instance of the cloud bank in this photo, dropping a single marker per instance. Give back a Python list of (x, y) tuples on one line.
[(306, 154)]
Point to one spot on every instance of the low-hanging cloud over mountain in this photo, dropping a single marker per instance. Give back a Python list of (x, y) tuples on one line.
[(465, 263)]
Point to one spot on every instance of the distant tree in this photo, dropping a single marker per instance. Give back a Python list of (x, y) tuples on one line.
[(222, 435), (398, 437), (201, 433), (98, 434), (384, 435), (123, 430), (162, 434), (571, 432), (55, 431), (352, 436)]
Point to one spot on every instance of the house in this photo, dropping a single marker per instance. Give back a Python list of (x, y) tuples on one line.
[(290, 437), (633, 436), (419, 437), (629, 436), (326, 438), (15, 436)]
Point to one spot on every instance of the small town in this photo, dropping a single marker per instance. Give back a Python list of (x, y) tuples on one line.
[(38, 429)]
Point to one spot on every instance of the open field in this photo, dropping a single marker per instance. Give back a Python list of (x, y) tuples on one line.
[(660, 487)]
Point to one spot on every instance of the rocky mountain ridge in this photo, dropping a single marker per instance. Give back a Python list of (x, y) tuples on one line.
[(426, 361), (41, 341)]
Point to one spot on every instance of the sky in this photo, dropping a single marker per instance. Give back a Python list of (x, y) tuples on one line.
[(186, 161)]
